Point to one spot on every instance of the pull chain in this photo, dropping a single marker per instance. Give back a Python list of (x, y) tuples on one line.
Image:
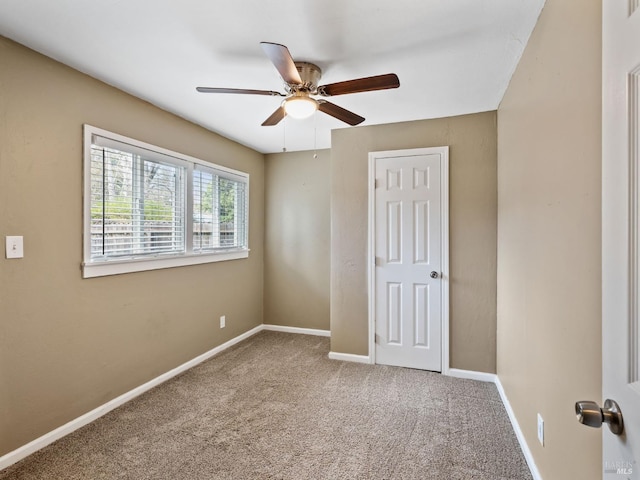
[(284, 135), (315, 135)]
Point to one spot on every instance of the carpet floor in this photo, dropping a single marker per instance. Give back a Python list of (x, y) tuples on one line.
[(275, 407)]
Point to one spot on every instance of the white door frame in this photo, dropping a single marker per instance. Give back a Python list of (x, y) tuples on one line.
[(444, 232)]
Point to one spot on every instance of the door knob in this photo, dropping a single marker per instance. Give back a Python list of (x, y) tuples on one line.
[(433, 274), (590, 414)]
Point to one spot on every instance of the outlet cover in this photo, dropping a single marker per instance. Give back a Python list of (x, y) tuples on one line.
[(223, 321), (540, 430)]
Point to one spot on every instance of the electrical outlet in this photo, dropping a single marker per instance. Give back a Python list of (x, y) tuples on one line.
[(223, 321), (540, 430)]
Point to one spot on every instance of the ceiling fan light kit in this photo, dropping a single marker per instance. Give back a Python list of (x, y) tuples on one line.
[(300, 105), (301, 82)]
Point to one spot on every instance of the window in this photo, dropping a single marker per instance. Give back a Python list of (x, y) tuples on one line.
[(218, 211), (148, 208)]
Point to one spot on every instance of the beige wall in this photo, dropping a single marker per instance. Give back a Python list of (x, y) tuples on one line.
[(549, 259), (68, 345), (473, 217), (297, 238)]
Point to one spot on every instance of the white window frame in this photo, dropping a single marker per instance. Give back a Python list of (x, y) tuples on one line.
[(98, 268)]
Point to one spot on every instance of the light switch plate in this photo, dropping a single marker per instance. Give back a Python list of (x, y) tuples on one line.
[(14, 247)]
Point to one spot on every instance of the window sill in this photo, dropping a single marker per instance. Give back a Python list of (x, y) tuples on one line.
[(116, 267)]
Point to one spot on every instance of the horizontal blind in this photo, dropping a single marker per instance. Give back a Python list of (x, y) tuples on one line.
[(219, 210), (137, 202)]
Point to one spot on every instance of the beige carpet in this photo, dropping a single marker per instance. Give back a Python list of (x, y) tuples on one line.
[(274, 407)]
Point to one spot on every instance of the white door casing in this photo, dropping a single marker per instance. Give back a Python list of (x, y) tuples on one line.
[(408, 240), (620, 233)]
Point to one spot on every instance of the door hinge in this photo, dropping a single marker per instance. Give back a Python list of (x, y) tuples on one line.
[(377, 261), (377, 183), (377, 339)]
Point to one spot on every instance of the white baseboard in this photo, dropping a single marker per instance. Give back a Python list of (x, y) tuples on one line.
[(471, 375), (349, 357), (304, 331), (48, 438), (516, 428)]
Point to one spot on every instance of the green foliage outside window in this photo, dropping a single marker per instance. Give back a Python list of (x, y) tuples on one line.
[(122, 210), (226, 200)]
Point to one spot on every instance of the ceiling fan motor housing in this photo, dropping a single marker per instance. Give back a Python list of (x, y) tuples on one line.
[(310, 75)]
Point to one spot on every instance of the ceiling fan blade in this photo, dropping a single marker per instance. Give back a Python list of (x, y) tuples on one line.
[(339, 113), (367, 84), (239, 90), (275, 117), (281, 58)]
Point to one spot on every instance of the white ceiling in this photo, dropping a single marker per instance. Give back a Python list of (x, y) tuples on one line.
[(452, 56)]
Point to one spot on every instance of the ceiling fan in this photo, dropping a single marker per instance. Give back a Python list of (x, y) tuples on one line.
[(301, 86)]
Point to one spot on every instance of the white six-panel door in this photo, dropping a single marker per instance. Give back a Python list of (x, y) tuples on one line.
[(407, 245), (621, 233)]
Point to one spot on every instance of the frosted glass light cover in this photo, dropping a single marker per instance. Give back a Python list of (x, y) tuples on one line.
[(300, 107)]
